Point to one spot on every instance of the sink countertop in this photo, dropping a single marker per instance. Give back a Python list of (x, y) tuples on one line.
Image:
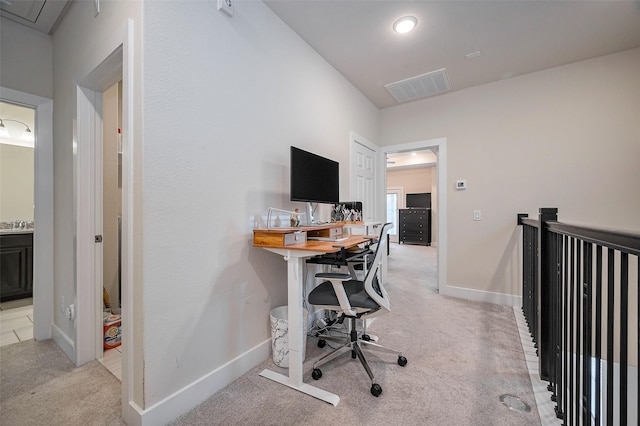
[(16, 231)]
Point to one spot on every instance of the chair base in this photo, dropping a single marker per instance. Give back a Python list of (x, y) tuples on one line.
[(354, 345)]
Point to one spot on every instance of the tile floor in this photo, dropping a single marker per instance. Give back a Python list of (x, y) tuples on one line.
[(112, 360), (16, 321)]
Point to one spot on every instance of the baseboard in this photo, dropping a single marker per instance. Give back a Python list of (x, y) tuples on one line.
[(482, 296), (193, 394), (63, 341)]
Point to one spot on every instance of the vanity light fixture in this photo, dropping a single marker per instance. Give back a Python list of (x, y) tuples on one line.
[(405, 24), (27, 135)]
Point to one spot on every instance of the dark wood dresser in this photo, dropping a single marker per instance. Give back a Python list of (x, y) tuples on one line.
[(415, 226)]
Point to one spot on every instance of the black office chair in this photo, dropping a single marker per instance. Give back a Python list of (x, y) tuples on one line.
[(356, 299)]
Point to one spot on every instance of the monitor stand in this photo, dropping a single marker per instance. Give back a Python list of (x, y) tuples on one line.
[(309, 214), (310, 221)]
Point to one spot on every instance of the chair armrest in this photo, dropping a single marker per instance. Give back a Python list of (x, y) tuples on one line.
[(334, 276), (336, 280)]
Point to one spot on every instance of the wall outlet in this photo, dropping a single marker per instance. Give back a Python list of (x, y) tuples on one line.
[(71, 312), (226, 7)]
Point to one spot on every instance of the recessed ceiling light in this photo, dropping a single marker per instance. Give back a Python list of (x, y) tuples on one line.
[(405, 24)]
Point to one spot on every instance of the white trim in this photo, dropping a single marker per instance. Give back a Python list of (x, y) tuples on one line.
[(542, 396), (482, 296), (62, 340), (43, 304), (439, 146), (198, 391), (132, 337), (88, 127)]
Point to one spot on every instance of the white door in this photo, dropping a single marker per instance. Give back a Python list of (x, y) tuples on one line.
[(363, 178)]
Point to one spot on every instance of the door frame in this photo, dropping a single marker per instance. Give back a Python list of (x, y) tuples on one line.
[(399, 191), (43, 304), (439, 147), (115, 66)]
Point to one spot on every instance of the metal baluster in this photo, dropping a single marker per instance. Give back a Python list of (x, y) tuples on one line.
[(598, 353), (566, 328), (610, 320), (578, 398), (570, 355), (553, 318), (586, 315), (559, 327), (624, 333)]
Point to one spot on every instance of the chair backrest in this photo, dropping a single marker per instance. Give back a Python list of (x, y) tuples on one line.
[(373, 284)]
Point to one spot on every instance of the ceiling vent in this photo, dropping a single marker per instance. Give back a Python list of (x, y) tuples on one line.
[(421, 86)]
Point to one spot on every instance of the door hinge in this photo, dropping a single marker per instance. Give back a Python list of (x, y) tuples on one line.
[(98, 238)]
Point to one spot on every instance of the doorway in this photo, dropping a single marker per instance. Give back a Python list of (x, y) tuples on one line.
[(111, 330), (437, 164), (117, 66), (43, 305), (17, 162)]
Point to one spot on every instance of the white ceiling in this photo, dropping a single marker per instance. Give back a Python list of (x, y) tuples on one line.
[(514, 37), (410, 160), (41, 15)]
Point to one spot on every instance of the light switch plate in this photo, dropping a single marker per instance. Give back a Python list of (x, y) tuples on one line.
[(477, 214), (226, 7)]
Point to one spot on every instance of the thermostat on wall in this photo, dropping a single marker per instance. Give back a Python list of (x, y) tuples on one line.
[(461, 184)]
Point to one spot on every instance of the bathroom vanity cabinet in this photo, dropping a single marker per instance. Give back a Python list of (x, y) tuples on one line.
[(16, 264)]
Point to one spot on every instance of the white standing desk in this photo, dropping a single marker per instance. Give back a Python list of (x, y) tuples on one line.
[(295, 255)]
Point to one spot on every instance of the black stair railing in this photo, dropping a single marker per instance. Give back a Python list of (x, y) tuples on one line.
[(576, 298)]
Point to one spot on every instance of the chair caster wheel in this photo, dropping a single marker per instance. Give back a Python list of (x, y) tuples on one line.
[(322, 343), (353, 354), (376, 390), (366, 337), (316, 374), (402, 361)]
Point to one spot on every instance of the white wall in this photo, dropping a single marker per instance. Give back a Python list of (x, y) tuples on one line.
[(217, 102), (224, 99), (26, 63), (412, 180), (16, 183), (567, 137)]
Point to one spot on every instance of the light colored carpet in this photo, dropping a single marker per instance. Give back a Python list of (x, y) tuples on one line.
[(39, 385), (462, 357)]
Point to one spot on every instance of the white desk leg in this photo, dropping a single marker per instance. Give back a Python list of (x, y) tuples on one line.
[(296, 328), (296, 334)]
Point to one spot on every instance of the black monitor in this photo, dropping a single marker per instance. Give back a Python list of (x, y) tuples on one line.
[(314, 179)]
